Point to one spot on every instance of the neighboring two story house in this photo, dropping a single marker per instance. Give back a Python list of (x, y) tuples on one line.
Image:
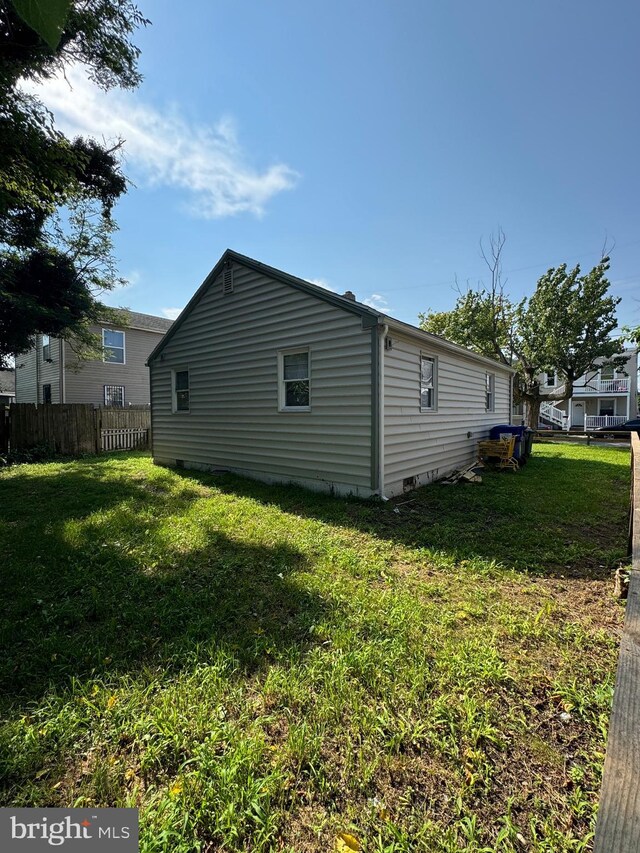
[(51, 372), (7, 387), (604, 397)]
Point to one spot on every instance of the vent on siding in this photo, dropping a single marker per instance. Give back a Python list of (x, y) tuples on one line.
[(388, 343), (227, 281)]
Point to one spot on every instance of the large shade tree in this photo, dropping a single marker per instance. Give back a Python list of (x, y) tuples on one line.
[(57, 194), (565, 327)]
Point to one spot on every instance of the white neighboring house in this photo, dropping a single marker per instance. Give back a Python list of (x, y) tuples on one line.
[(605, 397), (267, 375)]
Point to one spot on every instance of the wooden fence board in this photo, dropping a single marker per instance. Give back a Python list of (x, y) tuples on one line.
[(124, 439), (73, 429), (4, 429), (618, 825)]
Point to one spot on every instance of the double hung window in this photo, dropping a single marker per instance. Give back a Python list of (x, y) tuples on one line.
[(428, 383), (294, 380), (181, 391), (113, 346)]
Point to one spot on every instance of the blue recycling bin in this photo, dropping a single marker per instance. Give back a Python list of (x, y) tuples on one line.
[(519, 452)]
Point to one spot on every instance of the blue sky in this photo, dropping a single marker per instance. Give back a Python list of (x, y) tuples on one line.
[(371, 145)]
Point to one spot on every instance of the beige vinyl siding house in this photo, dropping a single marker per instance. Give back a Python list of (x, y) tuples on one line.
[(272, 377), (38, 373), (7, 386), (430, 442), (232, 345), (50, 372)]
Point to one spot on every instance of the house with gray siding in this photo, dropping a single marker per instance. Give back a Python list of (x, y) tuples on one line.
[(7, 387), (51, 372), (272, 377)]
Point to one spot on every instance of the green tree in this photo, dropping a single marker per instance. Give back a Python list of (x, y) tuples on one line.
[(49, 284), (46, 17), (564, 327)]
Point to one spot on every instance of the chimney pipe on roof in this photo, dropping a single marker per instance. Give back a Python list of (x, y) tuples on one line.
[(348, 294)]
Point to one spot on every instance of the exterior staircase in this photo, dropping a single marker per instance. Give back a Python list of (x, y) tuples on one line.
[(553, 415)]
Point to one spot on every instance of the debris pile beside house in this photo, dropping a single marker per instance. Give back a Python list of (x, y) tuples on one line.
[(470, 474)]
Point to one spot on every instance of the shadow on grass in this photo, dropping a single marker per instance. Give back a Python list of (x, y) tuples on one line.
[(93, 586), (558, 516)]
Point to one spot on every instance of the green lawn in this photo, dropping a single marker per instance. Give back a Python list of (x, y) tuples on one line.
[(261, 668)]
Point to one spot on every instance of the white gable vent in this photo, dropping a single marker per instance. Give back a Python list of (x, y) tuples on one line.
[(227, 280)]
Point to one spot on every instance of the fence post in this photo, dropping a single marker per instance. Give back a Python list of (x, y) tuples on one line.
[(4, 429), (97, 418)]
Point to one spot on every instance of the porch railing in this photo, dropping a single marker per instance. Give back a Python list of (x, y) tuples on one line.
[(597, 421), (553, 413), (604, 386)]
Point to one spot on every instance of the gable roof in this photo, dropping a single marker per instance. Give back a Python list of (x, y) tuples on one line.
[(146, 322), (370, 316)]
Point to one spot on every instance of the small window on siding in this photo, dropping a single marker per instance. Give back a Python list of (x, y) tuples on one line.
[(46, 393), (294, 380), (490, 392), (181, 401), (113, 346), (428, 383), (114, 395), (227, 281), (46, 347)]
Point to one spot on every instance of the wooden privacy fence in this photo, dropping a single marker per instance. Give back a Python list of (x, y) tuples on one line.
[(4, 429), (618, 824), (73, 429)]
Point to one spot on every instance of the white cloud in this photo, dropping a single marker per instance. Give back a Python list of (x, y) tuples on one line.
[(378, 302), (114, 297), (322, 282), (164, 149), (171, 313)]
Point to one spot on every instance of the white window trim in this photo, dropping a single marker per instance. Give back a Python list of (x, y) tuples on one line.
[(434, 407), (492, 407), (174, 398), (281, 383), (124, 348), (47, 346)]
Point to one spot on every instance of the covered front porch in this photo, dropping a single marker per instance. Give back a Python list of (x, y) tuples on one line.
[(596, 412)]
